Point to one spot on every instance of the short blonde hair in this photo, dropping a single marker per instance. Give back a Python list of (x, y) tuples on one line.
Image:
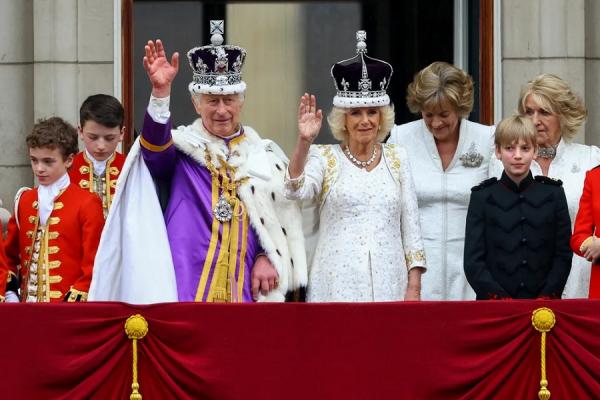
[(514, 128), (440, 83), (554, 95), (337, 122)]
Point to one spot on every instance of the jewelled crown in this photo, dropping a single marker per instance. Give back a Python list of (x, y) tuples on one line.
[(217, 67), (361, 81)]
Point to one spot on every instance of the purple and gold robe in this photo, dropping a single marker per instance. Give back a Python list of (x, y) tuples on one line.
[(149, 256), (212, 260)]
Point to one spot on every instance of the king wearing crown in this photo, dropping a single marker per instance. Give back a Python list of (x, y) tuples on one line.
[(227, 234)]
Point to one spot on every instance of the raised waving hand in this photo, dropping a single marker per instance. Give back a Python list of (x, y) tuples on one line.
[(160, 71), (309, 125), (309, 118)]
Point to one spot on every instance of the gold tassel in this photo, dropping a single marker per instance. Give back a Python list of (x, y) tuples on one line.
[(136, 328), (543, 321)]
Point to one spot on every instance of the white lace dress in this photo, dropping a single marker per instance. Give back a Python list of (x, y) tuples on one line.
[(369, 234)]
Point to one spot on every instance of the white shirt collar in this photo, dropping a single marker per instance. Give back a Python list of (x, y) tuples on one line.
[(99, 166), (47, 194), (234, 135)]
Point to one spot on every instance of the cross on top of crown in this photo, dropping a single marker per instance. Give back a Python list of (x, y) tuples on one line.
[(217, 26), (361, 45), (217, 29)]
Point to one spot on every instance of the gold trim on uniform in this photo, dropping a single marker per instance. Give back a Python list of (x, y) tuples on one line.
[(100, 184), (58, 205), (53, 235), (29, 234), (35, 204), (53, 220), (54, 279), (36, 283), (54, 264), (73, 293), (53, 249), (55, 294), (224, 283), (32, 219), (27, 249), (152, 147)]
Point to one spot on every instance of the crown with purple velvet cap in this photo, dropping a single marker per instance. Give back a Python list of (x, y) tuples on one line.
[(217, 67), (361, 81)]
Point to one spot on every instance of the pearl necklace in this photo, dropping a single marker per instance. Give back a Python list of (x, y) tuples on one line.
[(357, 162)]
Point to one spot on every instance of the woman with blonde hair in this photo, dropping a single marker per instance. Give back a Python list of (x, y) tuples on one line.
[(369, 245), (448, 155), (558, 113)]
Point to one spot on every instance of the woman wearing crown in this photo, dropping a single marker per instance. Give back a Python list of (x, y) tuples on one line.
[(369, 246)]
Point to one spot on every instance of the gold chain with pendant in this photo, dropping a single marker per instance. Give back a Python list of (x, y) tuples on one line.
[(223, 210)]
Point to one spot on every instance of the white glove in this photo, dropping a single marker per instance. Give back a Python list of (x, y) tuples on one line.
[(11, 297)]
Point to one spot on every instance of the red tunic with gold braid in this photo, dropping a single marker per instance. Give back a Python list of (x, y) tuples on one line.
[(58, 258), (82, 174)]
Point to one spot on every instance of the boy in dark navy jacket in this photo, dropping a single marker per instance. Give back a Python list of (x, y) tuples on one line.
[(518, 228)]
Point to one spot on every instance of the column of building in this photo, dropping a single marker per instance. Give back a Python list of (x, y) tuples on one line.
[(592, 70), (546, 36), (16, 99), (54, 54), (73, 57)]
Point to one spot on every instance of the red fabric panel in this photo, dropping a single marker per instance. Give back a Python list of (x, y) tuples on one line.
[(443, 350), (595, 282)]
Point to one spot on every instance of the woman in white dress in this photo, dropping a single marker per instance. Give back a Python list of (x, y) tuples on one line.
[(369, 245), (557, 114), (448, 156)]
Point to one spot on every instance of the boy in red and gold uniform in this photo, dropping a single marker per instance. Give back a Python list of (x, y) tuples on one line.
[(98, 166), (55, 230)]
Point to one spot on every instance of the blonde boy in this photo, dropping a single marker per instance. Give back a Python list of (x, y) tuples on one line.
[(518, 227)]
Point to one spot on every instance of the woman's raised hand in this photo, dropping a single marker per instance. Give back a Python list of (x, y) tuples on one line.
[(309, 118), (160, 71)]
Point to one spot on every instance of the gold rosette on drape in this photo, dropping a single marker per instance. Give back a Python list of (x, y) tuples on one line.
[(136, 328), (543, 320)]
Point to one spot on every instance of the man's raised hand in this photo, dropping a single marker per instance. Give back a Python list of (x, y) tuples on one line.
[(160, 71)]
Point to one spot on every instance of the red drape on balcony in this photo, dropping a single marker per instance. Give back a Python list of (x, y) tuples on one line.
[(445, 350)]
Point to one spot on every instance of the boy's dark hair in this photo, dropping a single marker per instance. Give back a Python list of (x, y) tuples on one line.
[(102, 109), (54, 133)]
